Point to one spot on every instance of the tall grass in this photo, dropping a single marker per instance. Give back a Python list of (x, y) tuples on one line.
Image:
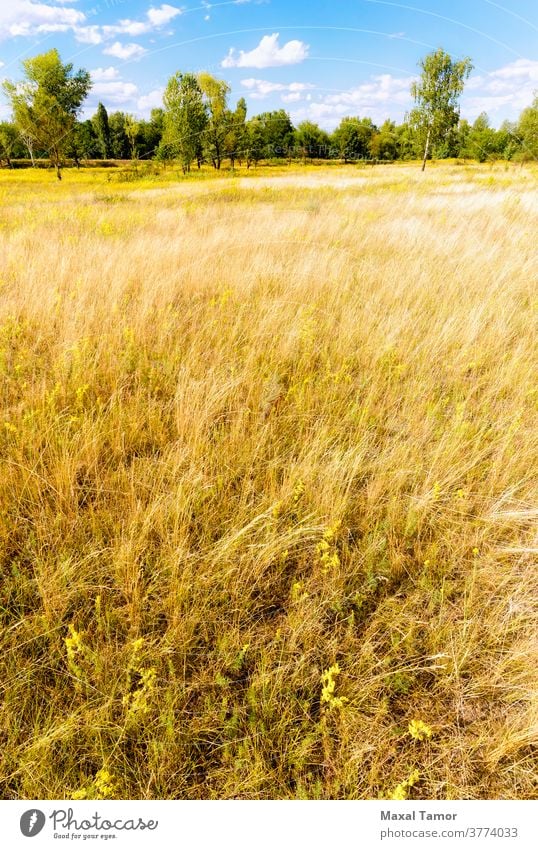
[(267, 486)]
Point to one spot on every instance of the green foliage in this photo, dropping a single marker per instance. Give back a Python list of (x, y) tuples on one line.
[(311, 141), (352, 138), (196, 124), (277, 131), (132, 128), (46, 104), (384, 143), (528, 132), (483, 140), (102, 130), (235, 142), (8, 141), (118, 136), (215, 96), (185, 118), (83, 143), (150, 134), (436, 96), (255, 141)]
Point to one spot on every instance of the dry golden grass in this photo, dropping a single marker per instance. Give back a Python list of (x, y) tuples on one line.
[(255, 433)]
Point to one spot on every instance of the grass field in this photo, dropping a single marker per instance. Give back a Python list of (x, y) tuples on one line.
[(268, 484)]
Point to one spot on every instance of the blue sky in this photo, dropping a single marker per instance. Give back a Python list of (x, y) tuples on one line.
[(319, 60)]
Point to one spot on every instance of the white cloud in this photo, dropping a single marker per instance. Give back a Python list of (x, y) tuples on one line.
[(292, 97), (268, 54), (262, 88), (162, 16), (125, 51), (31, 17), (99, 75), (24, 18), (380, 97), (155, 19), (88, 35), (115, 92), (511, 87), (153, 100)]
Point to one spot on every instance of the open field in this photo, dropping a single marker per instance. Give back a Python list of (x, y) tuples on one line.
[(268, 484)]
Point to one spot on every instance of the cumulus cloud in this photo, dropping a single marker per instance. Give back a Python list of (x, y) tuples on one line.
[(262, 88), (116, 92), (88, 34), (511, 86), (152, 100), (31, 17), (26, 18), (379, 97), (155, 19), (268, 54), (125, 51), (163, 15), (109, 88), (100, 75)]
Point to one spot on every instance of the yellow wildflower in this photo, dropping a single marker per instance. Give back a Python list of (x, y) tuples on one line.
[(419, 730)]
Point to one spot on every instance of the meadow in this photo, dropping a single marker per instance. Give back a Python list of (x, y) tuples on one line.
[(268, 483)]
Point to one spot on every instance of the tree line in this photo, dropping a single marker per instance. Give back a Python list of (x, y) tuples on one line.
[(197, 125)]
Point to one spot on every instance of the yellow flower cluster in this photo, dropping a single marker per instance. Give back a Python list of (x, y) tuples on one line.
[(137, 701), (419, 730), (400, 791), (327, 549), (298, 491), (103, 786), (298, 592), (75, 650), (328, 687)]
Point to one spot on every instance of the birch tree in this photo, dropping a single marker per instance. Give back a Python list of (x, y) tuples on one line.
[(437, 94)]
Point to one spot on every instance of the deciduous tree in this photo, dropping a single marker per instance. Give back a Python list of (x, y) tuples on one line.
[(527, 130), (185, 118), (8, 141), (215, 97), (102, 130), (45, 105), (437, 94)]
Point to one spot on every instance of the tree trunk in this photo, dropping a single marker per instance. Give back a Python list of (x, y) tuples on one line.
[(30, 148), (427, 148)]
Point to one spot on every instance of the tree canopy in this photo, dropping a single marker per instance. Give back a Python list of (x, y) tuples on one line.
[(437, 94), (45, 105)]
